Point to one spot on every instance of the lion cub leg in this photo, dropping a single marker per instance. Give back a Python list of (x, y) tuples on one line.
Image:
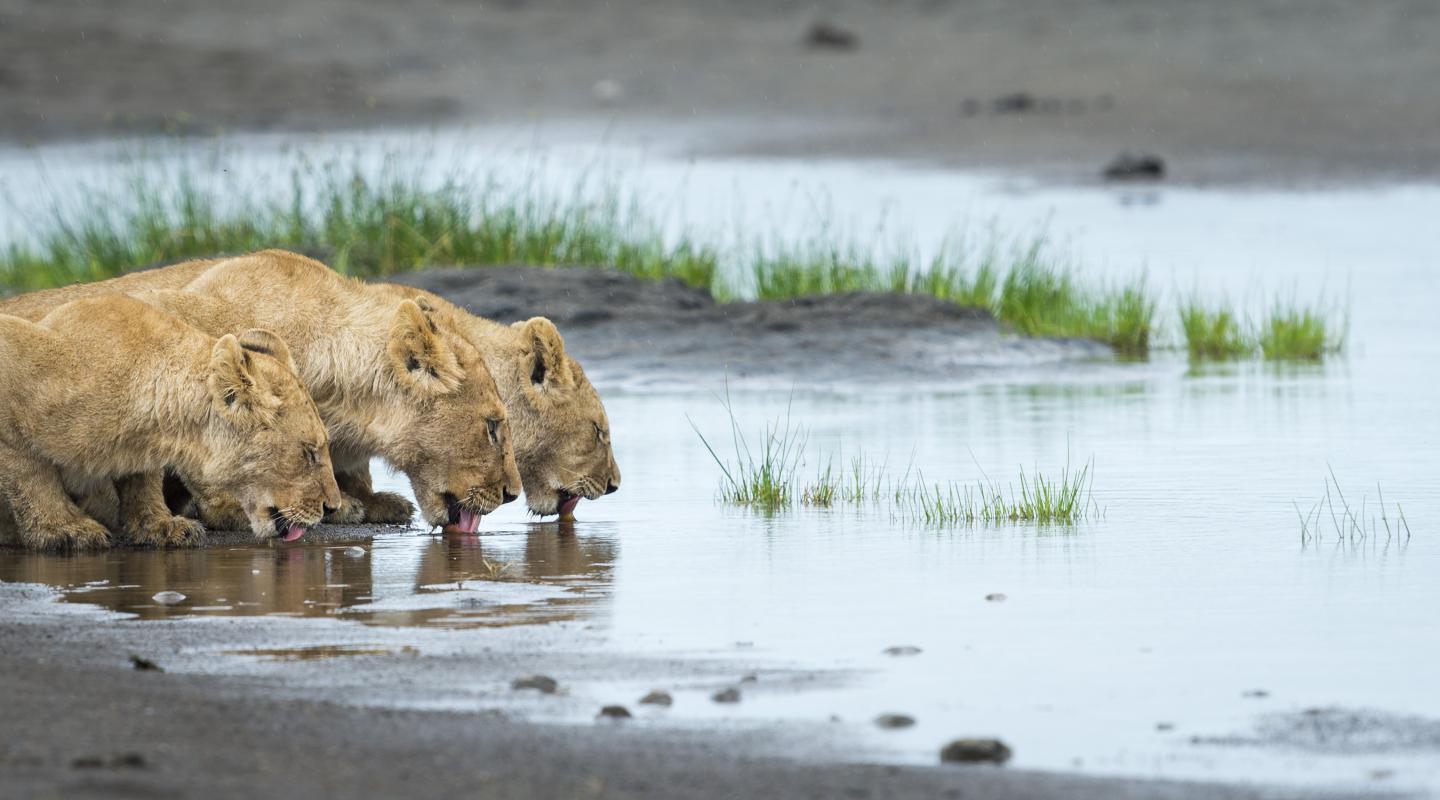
[(146, 519), (353, 477), (219, 511), (46, 517)]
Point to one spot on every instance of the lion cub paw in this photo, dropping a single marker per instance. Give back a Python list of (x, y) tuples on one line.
[(168, 532), (350, 512), (76, 534), (388, 507)]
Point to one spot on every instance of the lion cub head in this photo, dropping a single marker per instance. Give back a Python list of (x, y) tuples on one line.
[(455, 442), (568, 455), (272, 451)]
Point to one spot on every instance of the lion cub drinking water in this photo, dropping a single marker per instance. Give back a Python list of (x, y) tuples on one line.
[(110, 389)]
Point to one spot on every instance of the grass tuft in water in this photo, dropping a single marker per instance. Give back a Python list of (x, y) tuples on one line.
[(1064, 500), (766, 478), (1291, 332), (1213, 332), (1332, 516), (763, 477)]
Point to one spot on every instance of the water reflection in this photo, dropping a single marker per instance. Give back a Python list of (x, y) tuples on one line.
[(393, 580)]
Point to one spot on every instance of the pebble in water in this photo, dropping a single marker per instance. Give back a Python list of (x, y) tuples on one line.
[(657, 698), (614, 712), (355, 552), (902, 650), (731, 695), (168, 598), (541, 683), (894, 721), (995, 597), (975, 751)]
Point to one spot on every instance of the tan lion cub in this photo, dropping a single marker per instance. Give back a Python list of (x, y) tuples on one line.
[(388, 380), (110, 389)]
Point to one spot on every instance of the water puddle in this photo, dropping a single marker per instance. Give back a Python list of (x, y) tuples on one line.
[(393, 580)]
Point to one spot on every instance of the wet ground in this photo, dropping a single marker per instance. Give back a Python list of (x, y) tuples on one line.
[(1191, 631)]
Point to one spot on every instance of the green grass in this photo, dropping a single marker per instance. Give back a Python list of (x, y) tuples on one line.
[(1024, 284), (1291, 332), (390, 220), (389, 224), (767, 478), (1332, 516), (375, 222), (1065, 500), (1213, 332), (1285, 331), (762, 477)]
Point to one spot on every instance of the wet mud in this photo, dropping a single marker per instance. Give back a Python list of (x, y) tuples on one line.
[(627, 329)]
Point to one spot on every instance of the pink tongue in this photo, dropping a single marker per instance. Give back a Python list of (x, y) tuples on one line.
[(469, 521), (568, 507), (292, 533)]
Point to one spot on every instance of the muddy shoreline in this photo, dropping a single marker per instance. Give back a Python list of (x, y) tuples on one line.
[(1229, 92), (111, 730), (634, 332)]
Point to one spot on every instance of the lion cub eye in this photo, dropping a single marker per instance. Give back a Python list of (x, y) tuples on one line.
[(600, 433), (492, 426), (312, 454)]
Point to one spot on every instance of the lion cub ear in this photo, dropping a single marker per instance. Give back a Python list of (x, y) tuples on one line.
[(419, 354), (236, 391), (259, 340), (547, 351)]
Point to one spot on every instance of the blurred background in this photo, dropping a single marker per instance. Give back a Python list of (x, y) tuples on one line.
[(1229, 90)]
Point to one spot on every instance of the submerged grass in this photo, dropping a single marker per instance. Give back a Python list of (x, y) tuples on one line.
[(1064, 500), (1332, 516), (766, 478), (1291, 332), (1286, 331)]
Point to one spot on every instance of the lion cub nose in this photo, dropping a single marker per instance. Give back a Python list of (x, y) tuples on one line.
[(612, 488), (507, 496)]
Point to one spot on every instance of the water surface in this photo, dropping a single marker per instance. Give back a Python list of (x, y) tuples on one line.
[(1193, 607)]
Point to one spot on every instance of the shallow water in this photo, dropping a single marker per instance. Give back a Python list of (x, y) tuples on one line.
[(1192, 607)]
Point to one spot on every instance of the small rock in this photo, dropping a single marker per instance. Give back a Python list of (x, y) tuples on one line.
[(1255, 694), (902, 650), (975, 751), (614, 712), (544, 684), (657, 698), (751, 678), (168, 598), (1128, 167), (995, 597), (1163, 727), (128, 761), (355, 552), (144, 664), (731, 695), (828, 36), (1013, 103), (894, 721)]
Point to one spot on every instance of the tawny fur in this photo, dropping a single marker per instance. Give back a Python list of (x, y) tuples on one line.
[(562, 435), (108, 391), (388, 380)]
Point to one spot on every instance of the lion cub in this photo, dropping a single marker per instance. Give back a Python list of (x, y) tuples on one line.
[(110, 389)]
